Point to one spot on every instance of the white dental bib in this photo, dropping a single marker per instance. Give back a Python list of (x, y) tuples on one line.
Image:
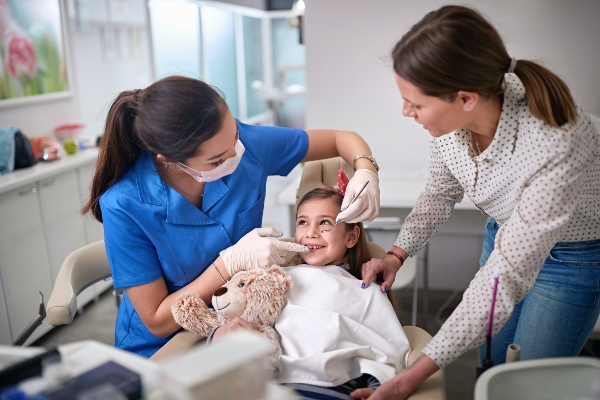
[(333, 331)]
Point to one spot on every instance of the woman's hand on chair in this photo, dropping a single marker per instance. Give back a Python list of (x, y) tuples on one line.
[(390, 390), (232, 326), (403, 384), (385, 269)]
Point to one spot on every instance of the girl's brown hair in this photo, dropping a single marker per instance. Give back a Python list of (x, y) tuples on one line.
[(172, 117), (357, 255), (454, 48)]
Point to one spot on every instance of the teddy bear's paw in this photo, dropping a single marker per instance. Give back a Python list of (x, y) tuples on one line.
[(191, 313)]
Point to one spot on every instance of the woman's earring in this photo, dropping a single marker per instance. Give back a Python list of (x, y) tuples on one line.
[(465, 108)]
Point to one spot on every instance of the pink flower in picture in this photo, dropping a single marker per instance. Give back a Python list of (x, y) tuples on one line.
[(4, 17), (19, 52)]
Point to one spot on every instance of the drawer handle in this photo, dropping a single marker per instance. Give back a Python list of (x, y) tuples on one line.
[(48, 183), (24, 192)]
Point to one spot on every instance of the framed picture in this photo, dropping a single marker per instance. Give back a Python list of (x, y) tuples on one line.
[(33, 52)]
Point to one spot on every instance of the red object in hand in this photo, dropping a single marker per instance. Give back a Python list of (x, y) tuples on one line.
[(342, 181)]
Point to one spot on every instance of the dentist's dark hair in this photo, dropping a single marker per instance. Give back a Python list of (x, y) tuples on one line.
[(172, 117), (454, 48)]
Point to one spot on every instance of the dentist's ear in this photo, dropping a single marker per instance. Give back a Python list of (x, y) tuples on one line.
[(352, 237)]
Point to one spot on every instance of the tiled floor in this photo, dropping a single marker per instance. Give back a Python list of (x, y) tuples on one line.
[(97, 322)]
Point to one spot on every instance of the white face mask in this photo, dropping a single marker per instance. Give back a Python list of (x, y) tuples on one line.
[(227, 168)]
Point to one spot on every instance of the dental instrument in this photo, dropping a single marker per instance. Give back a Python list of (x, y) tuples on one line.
[(352, 201), (487, 362)]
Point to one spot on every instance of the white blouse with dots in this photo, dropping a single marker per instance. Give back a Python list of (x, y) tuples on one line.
[(540, 183)]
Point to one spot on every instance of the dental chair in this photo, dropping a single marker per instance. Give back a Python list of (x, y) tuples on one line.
[(89, 264), (323, 173)]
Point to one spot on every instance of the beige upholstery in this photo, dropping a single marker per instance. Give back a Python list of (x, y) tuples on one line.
[(82, 268), (433, 387), (321, 173)]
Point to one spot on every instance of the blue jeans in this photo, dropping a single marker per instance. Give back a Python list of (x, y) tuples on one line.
[(558, 314)]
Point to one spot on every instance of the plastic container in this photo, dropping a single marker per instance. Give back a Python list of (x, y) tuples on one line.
[(569, 378), (68, 131)]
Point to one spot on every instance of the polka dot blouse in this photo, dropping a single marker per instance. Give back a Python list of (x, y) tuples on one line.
[(539, 182)]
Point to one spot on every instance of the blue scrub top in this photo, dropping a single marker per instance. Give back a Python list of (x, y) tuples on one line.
[(152, 231)]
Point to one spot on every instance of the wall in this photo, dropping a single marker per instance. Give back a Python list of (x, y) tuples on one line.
[(349, 78), (95, 80)]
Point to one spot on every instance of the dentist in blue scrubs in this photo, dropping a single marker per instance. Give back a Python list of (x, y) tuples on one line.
[(180, 188)]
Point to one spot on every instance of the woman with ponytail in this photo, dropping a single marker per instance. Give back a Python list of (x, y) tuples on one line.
[(508, 134), (180, 188)]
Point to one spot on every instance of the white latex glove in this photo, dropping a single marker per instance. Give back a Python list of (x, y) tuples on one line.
[(366, 206), (258, 249)]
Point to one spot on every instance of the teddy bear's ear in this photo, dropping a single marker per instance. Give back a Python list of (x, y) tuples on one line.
[(284, 281)]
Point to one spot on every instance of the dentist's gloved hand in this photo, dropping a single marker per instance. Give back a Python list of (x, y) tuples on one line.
[(366, 206), (258, 249)]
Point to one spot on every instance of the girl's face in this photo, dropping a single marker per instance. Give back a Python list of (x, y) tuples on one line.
[(439, 117), (327, 248)]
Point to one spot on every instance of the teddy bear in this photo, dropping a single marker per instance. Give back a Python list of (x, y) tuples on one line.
[(255, 295)]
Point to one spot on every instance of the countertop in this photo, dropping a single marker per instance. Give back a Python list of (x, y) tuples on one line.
[(43, 169)]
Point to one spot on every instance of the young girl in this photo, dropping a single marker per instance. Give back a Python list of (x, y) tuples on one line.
[(335, 336)]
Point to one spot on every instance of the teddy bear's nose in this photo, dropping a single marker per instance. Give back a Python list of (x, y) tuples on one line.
[(220, 291)]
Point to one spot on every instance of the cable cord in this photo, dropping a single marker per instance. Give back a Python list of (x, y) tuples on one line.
[(438, 315)]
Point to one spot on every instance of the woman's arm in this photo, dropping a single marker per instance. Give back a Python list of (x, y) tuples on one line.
[(327, 143), (324, 143), (152, 301), (401, 386), (256, 249)]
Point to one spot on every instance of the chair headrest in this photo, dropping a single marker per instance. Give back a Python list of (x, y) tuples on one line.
[(321, 173)]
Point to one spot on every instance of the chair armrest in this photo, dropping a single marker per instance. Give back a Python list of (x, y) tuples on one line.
[(182, 341), (433, 387), (82, 268)]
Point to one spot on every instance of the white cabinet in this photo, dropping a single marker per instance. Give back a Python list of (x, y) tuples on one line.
[(40, 224), (94, 230), (63, 226), (24, 264)]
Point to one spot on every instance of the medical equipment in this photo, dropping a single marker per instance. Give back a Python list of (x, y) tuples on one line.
[(487, 362), (561, 378), (353, 199), (35, 322), (513, 353)]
